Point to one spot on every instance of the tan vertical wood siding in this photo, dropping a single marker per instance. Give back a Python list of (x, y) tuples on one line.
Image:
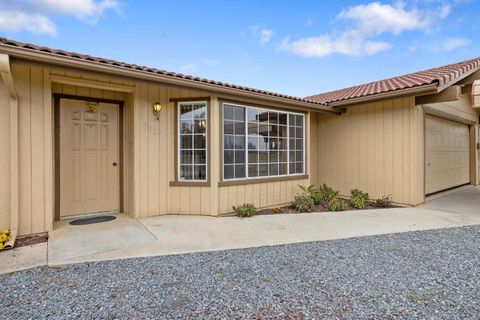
[(460, 110), (375, 147), (156, 150), (262, 195)]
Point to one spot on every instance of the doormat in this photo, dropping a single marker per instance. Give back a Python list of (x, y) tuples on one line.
[(92, 220)]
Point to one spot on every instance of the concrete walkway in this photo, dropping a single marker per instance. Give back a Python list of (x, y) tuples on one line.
[(465, 200), (126, 237), (23, 258)]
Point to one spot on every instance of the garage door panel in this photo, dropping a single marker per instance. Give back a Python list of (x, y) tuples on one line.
[(447, 154)]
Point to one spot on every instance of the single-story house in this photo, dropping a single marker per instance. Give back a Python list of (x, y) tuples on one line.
[(82, 135)]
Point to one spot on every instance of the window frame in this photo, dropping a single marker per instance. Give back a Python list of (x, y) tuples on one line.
[(287, 176), (191, 101)]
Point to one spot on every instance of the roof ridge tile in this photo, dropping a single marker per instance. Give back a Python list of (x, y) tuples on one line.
[(437, 75)]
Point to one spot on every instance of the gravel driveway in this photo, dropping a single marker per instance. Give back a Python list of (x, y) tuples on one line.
[(426, 274)]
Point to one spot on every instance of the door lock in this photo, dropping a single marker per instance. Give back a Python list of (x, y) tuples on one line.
[(115, 164)]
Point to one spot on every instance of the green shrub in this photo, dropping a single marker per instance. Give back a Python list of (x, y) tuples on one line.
[(309, 191), (358, 198), (304, 203), (326, 193), (336, 204), (382, 202), (317, 197), (312, 192), (245, 210)]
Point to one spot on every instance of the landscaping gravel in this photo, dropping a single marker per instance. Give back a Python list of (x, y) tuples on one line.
[(427, 274)]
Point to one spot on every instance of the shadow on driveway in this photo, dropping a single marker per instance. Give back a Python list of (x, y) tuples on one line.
[(466, 200)]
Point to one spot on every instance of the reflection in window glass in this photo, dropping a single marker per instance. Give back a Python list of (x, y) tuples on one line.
[(295, 128), (261, 143), (234, 142), (192, 141)]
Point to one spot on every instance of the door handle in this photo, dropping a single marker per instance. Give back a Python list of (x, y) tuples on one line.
[(114, 164)]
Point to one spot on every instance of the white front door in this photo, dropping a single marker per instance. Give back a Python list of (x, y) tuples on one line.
[(89, 156)]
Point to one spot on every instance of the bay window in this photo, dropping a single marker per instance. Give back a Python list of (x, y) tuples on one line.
[(260, 143)]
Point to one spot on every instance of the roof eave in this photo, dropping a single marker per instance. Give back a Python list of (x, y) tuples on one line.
[(420, 90), (457, 79), (51, 58)]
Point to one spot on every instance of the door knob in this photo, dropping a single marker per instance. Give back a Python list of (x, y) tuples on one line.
[(115, 164)]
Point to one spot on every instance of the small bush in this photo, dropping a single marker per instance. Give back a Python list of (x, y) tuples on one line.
[(326, 193), (358, 199), (314, 193), (245, 210), (304, 203), (309, 191), (382, 202), (336, 204), (317, 197)]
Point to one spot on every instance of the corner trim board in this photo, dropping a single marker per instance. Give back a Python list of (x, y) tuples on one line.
[(14, 134)]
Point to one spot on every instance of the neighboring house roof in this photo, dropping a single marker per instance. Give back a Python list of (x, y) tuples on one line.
[(438, 77), (83, 57)]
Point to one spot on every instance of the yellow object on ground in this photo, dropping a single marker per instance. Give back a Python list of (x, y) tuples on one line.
[(4, 237)]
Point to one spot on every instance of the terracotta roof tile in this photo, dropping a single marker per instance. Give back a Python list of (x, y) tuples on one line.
[(440, 76), (13, 43)]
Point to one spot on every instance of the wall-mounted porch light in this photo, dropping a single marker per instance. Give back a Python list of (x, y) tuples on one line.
[(157, 107)]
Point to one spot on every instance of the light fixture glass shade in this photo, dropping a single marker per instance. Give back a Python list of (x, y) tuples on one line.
[(157, 107)]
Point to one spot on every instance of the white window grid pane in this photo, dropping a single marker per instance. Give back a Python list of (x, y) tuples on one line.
[(190, 116), (286, 146), (234, 148), (293, 135)]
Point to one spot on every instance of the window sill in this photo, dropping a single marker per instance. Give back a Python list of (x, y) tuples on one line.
[(189, 184), (261, 180)]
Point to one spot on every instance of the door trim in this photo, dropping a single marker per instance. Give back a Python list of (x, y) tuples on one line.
[(57, 98)]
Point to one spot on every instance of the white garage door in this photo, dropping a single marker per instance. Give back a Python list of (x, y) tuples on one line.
[(447, 154)]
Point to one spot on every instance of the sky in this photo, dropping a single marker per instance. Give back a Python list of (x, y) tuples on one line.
[(297, 47)]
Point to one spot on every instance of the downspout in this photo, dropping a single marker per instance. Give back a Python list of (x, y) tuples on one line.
[(12, 92)]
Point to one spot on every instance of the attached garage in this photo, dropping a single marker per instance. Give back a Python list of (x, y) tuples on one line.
[(447, 154)]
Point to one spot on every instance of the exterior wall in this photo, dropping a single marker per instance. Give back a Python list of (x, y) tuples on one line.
[(149, 149), (262, 195), (460, 110), (155, 155), (34, 165), (375, 147)]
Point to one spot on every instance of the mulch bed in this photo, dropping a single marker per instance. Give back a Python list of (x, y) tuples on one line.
[(31, 240), (322, 207)]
